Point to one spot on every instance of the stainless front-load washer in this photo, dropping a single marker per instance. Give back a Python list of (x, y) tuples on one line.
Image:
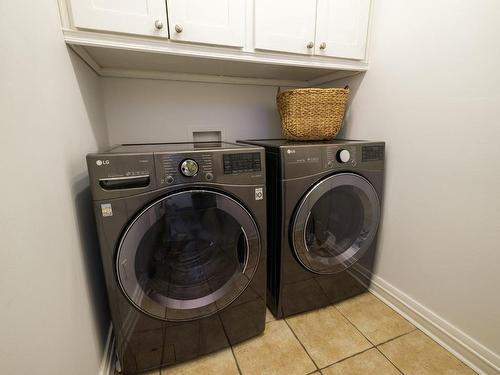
[(182, 229)]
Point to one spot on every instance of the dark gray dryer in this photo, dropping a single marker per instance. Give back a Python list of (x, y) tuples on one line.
[(324, 202), (182, 229)]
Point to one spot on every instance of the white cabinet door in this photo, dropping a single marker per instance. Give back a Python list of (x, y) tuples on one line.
[(285, 25), (219, 22), (144, 17), (341, 28)]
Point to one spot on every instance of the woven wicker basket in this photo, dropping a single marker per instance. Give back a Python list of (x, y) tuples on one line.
[(312, 114)]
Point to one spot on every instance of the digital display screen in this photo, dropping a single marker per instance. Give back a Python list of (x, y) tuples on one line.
[(242, 163), (373, 153)]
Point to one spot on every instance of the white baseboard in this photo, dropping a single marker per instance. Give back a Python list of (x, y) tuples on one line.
[(108, 357), (474, 354)]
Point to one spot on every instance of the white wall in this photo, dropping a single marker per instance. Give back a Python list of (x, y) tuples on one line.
[(53, 318), (165, 111), (433, 93)]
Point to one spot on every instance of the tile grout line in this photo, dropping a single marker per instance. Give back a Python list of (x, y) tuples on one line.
[(301, 344), (236, 360), (354, 325), (230, 345), (375, 346), (397, 337), (392, 363), (346, 358), (442, 347)]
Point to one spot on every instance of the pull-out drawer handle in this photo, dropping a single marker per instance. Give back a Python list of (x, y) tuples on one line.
[(129, 182)]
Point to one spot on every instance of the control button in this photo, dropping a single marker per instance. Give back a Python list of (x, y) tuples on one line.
[(329, 164), (169, 179), (209, 176), (343, 156), (189, 168)]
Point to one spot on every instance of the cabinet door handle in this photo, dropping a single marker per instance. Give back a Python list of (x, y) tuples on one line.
[(178, 29), (322, 45), (310, 45), (159, 24)]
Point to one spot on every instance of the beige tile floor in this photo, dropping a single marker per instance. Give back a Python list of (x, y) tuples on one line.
[(358, 336)]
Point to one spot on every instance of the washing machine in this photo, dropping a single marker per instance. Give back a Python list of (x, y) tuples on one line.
[(182, 231), (324, 204)]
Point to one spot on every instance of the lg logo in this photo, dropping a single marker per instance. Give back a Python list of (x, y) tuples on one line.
[(290, 151), (102, 162)]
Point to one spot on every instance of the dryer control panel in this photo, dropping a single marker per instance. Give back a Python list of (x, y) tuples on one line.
[(315, 158)]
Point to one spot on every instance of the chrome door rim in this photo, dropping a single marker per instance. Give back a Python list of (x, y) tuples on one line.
[(250, 264), (301, 218)]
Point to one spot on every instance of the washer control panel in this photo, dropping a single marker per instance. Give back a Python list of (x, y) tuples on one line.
[(189, 167)]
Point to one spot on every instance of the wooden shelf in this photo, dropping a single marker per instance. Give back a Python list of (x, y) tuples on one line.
[(116, 55)]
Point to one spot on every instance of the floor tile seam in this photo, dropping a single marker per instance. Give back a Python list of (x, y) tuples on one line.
[(378, 299), (301, 344), (442, 347), (355, 327), (392, 363), (397, 337), (230, 345), (346, 358), (373, 343), (236, 361)]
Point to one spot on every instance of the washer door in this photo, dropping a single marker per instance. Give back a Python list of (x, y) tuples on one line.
[(335, 223), (188, 255)]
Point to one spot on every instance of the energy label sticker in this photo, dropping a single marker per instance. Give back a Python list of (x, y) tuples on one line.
[(106, 210), (259, 194)]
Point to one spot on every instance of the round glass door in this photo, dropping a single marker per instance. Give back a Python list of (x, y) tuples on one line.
[(188, 255), (336, 222)]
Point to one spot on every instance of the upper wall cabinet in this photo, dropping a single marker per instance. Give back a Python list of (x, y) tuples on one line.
[(342, 27), (219, 22), (266, 42), (285, 25), (336, 28), (143, 17)]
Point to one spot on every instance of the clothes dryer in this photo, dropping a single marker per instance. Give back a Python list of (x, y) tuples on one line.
[(324, 210)]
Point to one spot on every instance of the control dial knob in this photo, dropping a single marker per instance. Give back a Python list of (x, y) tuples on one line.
[(189, 168), (343, 156)]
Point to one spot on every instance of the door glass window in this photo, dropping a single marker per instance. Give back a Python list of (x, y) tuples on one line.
[(188, 255), (336, 223)]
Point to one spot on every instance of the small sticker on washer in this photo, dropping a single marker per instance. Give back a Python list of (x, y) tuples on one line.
[(259, 194), (106, 210)]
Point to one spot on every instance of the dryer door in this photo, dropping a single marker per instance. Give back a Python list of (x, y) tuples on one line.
[(335, 223), (188, 255)]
